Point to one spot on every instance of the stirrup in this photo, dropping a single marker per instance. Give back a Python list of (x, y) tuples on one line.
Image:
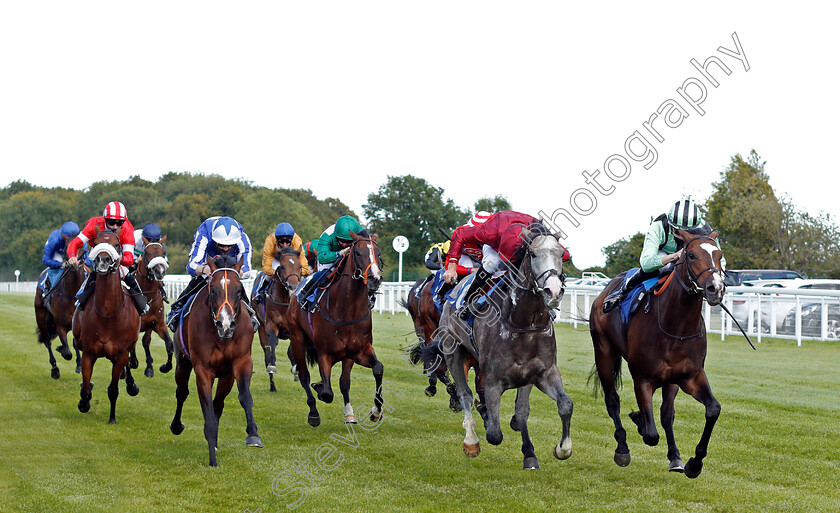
[(612, 301)]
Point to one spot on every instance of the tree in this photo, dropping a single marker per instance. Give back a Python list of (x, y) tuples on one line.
[(623, 254), (494, 204), (410, 206)]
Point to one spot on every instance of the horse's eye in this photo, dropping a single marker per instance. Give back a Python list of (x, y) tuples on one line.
[(692, 256)]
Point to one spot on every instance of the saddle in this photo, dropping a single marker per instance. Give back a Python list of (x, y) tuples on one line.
[(458, 300), (632, 301), (313, 297)]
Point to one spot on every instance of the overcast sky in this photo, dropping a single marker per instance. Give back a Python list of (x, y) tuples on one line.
[(480, 98)]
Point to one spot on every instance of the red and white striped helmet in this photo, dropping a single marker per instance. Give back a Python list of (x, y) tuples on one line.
[(115, 210), (479, 218)]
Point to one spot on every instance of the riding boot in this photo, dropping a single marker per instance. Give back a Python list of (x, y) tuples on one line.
[(163, 293), (617, 296), (307, 290), (473, 293), (254, 321), (440, 297), (137, 294), (87, 289), (46, 289), (192, 287)]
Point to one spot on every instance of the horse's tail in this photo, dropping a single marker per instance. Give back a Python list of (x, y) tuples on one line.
[(311, 354), (596, 383), (414, 351), (432, 353), (51, 331)]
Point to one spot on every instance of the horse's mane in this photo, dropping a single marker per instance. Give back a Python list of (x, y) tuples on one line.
[(538, 229), (226, 260), (700, 230), (288, 250)]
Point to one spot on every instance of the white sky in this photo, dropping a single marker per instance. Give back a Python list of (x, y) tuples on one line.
[(481, 98)]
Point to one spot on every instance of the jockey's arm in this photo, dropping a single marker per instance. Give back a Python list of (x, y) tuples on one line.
[(651, 259), (268, 255)]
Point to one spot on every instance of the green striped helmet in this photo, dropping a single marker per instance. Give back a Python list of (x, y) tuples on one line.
[(684, 215)]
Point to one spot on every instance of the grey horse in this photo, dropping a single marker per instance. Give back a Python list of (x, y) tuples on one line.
[(512, 338)]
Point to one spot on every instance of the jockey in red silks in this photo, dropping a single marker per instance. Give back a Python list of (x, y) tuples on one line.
[(500, 238), (114, 218), (469, 261)]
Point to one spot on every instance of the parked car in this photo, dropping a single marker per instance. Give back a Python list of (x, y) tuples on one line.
[(737, 277), (742, 303), (784, 307), (812, 320)]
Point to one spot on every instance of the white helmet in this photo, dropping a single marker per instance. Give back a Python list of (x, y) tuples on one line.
[(226, 232)]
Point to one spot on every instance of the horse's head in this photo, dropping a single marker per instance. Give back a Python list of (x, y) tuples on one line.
[(702, 259), (224, 292), (288, 272), (106, 253), (546, 262), (154, 263), (367, 260)]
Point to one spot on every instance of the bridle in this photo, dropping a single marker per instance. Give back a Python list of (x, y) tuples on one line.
[(692, 287), (214, 314), (358, 273), (148, 262), (532, 283)]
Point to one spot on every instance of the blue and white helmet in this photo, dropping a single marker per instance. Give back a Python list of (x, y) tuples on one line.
[(226, 232)]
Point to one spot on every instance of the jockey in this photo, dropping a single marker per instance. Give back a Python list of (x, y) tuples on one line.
[(502, 244), (436, 256), (284, 236), (150, 233), (114, 217), (216, 235), (334, 243), (311, 254), (470, 260), (661, 248), (55, 253)]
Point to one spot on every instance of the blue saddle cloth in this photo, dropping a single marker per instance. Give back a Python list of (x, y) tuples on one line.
[(437, 283), (259, 281), (317, 291), (627, 302), (457, 300)]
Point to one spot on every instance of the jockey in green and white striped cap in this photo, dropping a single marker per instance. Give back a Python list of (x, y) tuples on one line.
[(684, 215)]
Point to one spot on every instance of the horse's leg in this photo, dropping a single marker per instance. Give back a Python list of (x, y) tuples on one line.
[(344, 386), (608, 365), (431, 390), (368, 359), (698, 388), (314, 419), (223, 388), (644, 417), (118, 364), (263, 334), (242, 372), (78, 356), (480, 405), (147, 340), (324, 388), (551, 383), (87, 370), (163, 332), (204, 386), (54, 371), (523, 410), (492, 401), (64, 348), (183, 369), (292, 362), (455, 362), (271, 361), (130, 385), (666, 417), (132, 358)]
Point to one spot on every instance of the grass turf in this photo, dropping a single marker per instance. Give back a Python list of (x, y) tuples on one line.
[(775, 447)]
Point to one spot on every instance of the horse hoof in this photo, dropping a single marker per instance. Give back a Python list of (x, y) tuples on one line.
[(431, 391), (531, 463), (297, 378), (693, 468), (375, 415), (166, 367), (514, 425), (314, 420), (253, 441), (273, 388), (472, 450), (132, 389), (55, 373), (149, 372), (176, 429), (676, 465), (78, 369), (65, 354), (562, 453), (84, 406), (271, 369), (112, 420), (350, 419), (622, 460)]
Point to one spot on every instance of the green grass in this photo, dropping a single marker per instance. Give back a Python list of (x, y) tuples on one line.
[(775, 447)]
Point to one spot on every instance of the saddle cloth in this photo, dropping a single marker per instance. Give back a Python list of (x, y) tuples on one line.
[(630, 304)]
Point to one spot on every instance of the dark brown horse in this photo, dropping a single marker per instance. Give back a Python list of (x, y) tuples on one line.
[(340, 330), (54, 317), (426, 319), (108, 326), (272, 311), (215, 339), (664, 346), (151, 269)]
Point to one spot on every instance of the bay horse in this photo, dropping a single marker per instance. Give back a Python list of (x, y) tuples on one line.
[(514, 343), (426, 318), (272, 311), (54, 315), (340, 330), (215, 339), (108, 327), (151, 269), (664, 347)]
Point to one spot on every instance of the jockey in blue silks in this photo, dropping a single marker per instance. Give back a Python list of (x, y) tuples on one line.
[(150, 233), (55, 252), (215, 236)]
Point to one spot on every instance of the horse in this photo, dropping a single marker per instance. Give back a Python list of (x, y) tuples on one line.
[(54, 315), (426, 319), (151, 269), (215, 339), (513, 341), (108, 327), (272, 311), (664, 348), (340, 330)]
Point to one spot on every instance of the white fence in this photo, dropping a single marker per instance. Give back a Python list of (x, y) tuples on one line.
[(795, 314)]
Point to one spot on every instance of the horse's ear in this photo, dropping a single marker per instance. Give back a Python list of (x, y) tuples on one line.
[(682, 235), (95, 230), (526, 234), (714, 234), (354, 235), (239, 263), (145, 240), (211, 261), (374, 237), (163, 239)]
